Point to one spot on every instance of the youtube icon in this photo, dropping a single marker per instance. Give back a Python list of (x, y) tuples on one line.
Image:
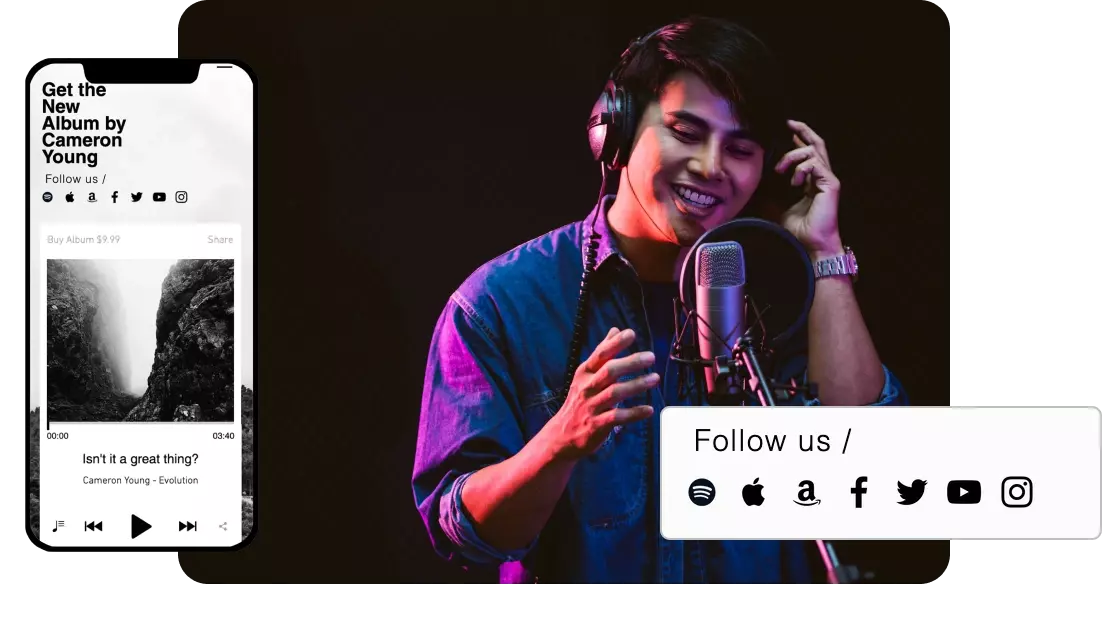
[(963, 491)]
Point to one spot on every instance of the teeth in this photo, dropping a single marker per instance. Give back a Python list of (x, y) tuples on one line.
[(701, 200)]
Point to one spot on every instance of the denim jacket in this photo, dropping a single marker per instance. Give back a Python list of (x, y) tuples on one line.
[(494, 377)]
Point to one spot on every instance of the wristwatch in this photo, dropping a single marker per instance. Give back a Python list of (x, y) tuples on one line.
[(841, 265)]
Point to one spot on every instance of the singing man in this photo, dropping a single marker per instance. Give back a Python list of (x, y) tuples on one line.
[(552, 484)]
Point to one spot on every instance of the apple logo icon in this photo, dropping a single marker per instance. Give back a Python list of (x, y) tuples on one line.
[(751, 494)]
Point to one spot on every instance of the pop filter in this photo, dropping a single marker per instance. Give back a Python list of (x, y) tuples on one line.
[(778, 275)]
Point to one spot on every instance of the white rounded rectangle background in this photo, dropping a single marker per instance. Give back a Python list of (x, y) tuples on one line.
[(983, 472)]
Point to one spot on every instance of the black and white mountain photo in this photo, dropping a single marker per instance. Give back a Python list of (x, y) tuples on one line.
[(140, 340)]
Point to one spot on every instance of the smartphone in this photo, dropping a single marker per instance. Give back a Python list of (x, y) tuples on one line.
[(141, 314)]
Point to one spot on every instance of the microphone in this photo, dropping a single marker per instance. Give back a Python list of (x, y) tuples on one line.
[(740, 314), (720, 302)]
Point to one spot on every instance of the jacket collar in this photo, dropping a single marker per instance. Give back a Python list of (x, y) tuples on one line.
[(597, 220)]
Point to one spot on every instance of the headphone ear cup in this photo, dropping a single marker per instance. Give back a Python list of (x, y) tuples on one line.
[(603, 126)]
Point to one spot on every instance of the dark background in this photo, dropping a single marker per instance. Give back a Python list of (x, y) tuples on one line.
[(401, 149)]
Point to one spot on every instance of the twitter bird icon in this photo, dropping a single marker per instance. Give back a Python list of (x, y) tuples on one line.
[(913, 493)]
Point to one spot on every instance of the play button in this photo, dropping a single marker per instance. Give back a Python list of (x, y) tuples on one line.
[(963, 491), (137, 526)]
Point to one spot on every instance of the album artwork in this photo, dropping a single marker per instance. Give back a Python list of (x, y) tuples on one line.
[(140, 340)]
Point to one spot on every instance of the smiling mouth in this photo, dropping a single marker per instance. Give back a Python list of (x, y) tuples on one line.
[(694, 201)]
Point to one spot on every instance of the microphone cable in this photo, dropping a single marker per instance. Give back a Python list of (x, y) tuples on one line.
[(589, 249)]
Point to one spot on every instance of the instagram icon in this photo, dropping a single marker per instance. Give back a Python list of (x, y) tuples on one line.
[(1017, 492)]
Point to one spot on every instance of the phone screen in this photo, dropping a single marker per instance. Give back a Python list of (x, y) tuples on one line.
[(141, 223)]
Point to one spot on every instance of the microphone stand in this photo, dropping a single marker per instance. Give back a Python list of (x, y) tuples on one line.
[(743, 370), (740, 381)]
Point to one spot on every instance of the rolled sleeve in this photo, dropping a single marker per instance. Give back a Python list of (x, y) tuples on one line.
[(468, 421), (457, 526), (891, 394)]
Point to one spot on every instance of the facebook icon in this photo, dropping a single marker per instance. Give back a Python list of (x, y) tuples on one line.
[(859, 489)]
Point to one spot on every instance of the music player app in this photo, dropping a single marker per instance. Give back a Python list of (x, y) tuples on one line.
[(141, 320)]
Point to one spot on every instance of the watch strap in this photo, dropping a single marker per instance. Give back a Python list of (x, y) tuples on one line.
[(840, 265)]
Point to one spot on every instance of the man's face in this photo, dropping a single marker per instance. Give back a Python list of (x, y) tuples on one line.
[(692, 167)]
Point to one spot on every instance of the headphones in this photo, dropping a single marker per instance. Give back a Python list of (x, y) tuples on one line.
[(612, 122)]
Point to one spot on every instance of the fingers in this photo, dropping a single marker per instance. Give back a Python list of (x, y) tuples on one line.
[(803, 171), (807, 133), (627, 415), (610, 347), (810, 138), (617, 368), (623, 390), (814, 170), (796, 155)]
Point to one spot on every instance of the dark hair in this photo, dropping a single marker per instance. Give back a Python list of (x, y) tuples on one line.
[(731, 59), (737, 65)]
